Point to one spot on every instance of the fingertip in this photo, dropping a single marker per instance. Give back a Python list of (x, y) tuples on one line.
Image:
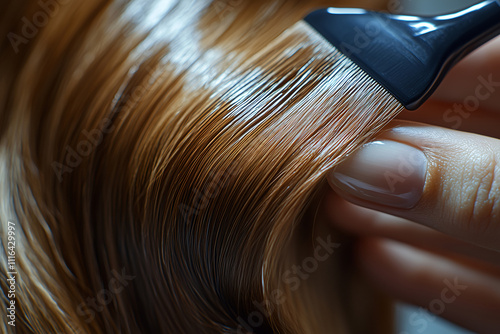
[(437, 177), (383, 172)]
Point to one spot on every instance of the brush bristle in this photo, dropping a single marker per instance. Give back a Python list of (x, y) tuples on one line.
[(319, 85)]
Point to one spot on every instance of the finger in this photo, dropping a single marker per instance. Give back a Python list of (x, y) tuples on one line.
[(456, 116), (468, 79), (445, 288), (369, 223), (441, 178)]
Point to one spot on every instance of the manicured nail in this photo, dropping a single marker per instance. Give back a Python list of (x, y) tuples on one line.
[(383, 172)]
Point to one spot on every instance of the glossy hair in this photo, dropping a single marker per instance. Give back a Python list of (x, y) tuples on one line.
[(163, 163)]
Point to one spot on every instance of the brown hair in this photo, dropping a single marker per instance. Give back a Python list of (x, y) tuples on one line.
[(163, 164)]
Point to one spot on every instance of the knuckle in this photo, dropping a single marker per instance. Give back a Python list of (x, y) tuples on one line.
[(484, 213)]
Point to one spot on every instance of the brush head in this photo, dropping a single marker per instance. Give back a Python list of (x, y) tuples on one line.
[(407, 55), (325, 88)]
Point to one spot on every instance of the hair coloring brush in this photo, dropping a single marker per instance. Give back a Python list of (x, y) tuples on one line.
[(407, 55)]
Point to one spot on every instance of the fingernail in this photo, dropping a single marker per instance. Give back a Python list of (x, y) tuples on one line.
[(383, 172)]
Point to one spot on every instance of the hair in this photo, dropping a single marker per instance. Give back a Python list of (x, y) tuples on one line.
[(162, 163)]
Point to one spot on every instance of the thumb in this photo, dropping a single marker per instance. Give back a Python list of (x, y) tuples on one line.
[(441, 178)]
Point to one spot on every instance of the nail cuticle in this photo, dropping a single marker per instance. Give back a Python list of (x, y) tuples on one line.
[(383, 172)]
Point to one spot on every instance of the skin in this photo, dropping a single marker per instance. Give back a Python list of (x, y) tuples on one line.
[(450, 234)]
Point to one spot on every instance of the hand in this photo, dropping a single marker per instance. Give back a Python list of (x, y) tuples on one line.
[(425, 200)]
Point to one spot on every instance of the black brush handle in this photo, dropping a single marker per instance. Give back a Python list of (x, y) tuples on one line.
[(459, 34), (408, 55)]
